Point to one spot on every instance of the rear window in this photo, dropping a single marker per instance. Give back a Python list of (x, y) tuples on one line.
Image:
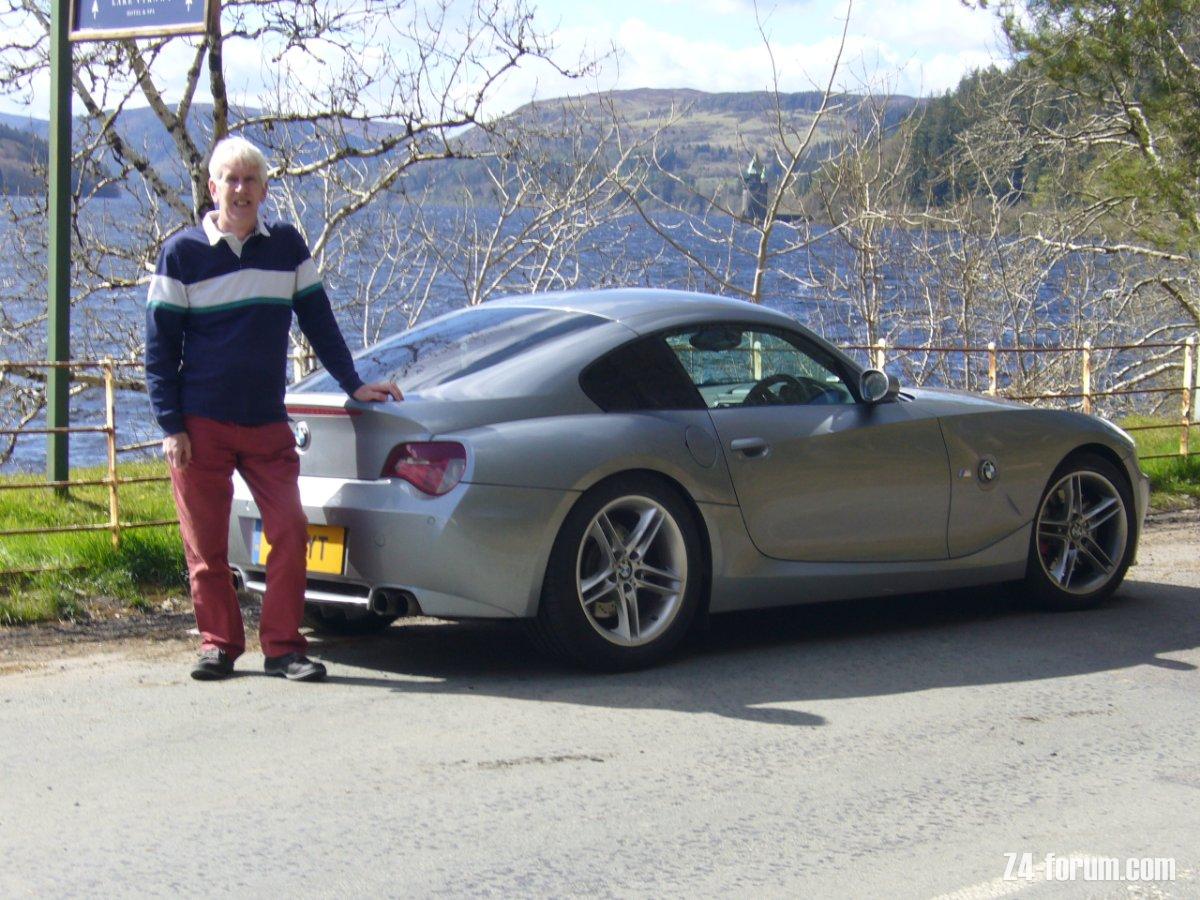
[(456, 345)]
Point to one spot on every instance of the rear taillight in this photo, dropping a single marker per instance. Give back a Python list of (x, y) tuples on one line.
[(432, 467)]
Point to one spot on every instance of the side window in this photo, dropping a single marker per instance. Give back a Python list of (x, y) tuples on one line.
[(640, 375), (747, 366)]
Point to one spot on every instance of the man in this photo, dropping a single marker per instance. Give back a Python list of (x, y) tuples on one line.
[(220, 308)]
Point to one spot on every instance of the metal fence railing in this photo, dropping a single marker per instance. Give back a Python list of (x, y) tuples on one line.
[(1152, 382), (112, 478)]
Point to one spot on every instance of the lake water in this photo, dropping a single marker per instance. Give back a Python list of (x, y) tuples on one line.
[(815, 285)]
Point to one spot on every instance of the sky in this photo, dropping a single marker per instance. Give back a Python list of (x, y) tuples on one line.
[(914, 47)]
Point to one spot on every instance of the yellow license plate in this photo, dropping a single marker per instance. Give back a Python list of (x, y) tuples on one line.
[(326, 548)]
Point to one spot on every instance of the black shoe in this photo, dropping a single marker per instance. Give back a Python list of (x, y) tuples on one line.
[(213, 665), (294, 667)]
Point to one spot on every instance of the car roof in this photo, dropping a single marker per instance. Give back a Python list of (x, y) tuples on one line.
[(644, 310), (621, 314)]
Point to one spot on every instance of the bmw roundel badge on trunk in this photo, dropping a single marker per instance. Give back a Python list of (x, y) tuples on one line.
[(303, 435)]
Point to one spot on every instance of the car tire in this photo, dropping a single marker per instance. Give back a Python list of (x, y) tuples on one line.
[(624, 578), (1083, 536), (332, 620)]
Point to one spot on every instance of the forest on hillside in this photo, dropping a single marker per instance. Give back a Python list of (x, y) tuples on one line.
[(20, 154), (23, 158)]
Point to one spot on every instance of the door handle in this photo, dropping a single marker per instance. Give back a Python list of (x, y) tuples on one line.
[(751, 447)]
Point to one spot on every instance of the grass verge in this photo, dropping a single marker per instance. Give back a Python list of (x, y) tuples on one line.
[(90, 575), (86, 573), (1174, 482)]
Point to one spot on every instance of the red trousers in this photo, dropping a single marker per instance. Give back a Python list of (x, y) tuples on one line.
[(265, 455)]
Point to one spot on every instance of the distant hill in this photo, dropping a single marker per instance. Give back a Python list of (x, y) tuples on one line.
[(142, 131), (20, 153), (38, 127), (24, 153), (706, 139), (703, 139)]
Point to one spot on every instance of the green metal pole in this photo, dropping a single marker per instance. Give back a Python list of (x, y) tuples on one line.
[(58, 325)]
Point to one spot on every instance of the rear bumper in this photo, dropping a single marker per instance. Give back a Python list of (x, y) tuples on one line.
[(478, 551)]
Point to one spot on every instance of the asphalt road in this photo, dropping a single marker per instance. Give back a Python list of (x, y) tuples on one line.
[(879, 748)]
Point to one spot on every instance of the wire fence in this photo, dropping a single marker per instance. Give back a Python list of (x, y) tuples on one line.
[(1162, 371), (1152, 372), (112, 478)]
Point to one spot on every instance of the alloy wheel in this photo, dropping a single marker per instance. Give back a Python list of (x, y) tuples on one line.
[(1082, 532), (631, 571)]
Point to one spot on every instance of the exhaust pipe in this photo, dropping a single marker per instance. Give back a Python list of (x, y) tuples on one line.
[(389, 602)]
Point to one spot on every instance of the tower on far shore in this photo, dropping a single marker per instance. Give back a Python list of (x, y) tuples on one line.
[(754, 191)]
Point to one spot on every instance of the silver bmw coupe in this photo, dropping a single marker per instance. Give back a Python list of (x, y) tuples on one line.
[(609, 465)]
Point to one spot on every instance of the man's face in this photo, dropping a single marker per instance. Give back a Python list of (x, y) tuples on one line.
[(238, 193)]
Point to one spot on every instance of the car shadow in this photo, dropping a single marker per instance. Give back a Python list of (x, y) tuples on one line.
[(742, 662)]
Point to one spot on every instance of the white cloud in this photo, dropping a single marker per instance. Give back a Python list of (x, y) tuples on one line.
[(915, 47), (712, 7), (943, 72), (926, 26)]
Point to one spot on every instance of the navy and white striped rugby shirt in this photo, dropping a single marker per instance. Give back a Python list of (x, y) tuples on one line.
[(217, 320)]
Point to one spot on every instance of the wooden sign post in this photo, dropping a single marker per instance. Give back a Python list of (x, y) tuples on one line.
[(86, 20)]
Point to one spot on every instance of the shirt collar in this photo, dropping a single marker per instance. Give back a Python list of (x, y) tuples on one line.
[(215, 235)]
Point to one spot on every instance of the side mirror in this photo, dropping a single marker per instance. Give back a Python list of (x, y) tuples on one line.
[(876, 386)]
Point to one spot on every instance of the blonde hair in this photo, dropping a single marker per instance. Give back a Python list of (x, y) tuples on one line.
[(232, 150)]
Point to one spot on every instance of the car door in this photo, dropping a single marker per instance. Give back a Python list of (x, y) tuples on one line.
[(820, 476)]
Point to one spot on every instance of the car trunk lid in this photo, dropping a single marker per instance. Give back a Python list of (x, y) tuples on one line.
[(341, 438), (338, 438)]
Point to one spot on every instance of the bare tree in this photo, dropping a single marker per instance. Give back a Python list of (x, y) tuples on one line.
[(1012, 257), (539, 214), (862, 191), (1130, 73), (364, 92), (728, 247)]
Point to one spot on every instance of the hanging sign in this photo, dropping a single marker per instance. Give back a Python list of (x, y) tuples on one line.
[(97, 20)]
